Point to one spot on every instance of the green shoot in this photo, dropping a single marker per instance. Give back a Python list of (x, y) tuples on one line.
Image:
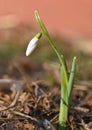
[(67, 80)]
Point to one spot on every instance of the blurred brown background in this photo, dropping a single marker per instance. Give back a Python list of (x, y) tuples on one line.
[(71, 18)]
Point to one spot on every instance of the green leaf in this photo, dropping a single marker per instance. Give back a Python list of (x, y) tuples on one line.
[(71, 77)]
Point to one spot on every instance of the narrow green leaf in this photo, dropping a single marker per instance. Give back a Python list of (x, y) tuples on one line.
[(71, 77)]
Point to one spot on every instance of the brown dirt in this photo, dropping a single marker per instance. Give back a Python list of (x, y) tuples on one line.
[(37, 105)]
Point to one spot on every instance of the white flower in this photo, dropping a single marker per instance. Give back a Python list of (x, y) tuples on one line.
[(33, 43)]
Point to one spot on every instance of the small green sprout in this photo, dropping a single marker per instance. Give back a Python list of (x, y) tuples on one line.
[(67, 79)]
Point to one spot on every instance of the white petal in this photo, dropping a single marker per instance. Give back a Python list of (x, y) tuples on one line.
[(31, 46)]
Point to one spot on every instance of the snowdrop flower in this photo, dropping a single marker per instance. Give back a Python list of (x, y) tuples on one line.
[(33, 43)]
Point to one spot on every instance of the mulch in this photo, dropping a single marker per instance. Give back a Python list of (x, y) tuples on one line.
[(29, 101)]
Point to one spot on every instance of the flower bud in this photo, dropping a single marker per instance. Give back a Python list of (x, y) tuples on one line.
[(33, 43)]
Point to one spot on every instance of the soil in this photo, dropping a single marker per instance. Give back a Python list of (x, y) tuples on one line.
[(29, 101)]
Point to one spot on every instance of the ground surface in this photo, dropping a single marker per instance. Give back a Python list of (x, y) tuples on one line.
[(37, 106)]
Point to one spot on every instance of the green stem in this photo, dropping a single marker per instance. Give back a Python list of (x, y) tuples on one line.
[(63, 102), (63, 108), (45, 32), (65, 93)]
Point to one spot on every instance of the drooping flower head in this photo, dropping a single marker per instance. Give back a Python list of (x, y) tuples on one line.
[(33, 43)]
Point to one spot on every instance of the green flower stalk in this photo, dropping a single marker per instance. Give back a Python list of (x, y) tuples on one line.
[(67, 80)]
